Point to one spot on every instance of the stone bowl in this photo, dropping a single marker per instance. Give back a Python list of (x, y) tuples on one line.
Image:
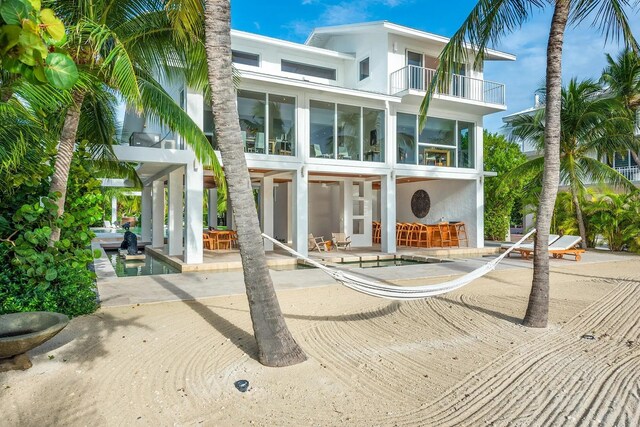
[(21, 332)]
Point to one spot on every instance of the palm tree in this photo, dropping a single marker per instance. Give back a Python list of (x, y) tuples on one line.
[(622, 76), (116, 44), (276, 346), (488, 22), (591, 125)]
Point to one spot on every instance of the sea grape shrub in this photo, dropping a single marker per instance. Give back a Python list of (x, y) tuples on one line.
[(32, 43), (34, 276)]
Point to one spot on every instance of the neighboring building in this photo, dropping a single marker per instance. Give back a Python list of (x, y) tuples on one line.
[(331, 137), (623, 162)]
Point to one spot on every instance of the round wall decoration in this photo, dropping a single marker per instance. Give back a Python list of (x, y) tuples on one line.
[(420, 203)]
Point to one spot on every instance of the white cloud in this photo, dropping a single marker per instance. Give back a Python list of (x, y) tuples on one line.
[(338, 13)]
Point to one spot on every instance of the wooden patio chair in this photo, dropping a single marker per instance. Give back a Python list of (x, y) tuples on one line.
[(413, 233), (461, 234), (376, 231), (401, 233), (317, 243), (423, 236), (207, 241), (445, 234), (223, 240), (341, 241)]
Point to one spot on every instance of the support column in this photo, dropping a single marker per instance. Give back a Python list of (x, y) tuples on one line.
[(114, 210), (193, 251), (300, 211), (290, 213), (479, 234), (146, 214), (388, 212), (175, 211), (346, 212), (266, 205), (157, 214), (212, 208)]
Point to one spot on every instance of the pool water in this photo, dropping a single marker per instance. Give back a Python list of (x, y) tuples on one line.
[(139, 267)]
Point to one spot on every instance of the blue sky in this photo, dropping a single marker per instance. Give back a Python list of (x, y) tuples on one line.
[(583, 53)]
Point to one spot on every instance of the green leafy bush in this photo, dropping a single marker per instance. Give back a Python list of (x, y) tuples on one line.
[(500, 156), (35, 276)]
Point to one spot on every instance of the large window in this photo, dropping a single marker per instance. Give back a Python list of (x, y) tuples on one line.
[(267, 131), (208, 126), (442, 142), (282, 129), (346, 132), (322, 126), (406, 138), (373, 134), (308, 70)]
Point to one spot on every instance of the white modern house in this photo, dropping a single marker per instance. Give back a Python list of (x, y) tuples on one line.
[(332, 142)]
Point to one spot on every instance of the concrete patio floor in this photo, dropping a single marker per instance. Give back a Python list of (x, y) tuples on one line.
[(118, 291)]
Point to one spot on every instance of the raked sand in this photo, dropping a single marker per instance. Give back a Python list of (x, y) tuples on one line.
[(460, 359)]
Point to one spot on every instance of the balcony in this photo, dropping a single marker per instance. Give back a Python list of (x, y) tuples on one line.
[(412, 78), (632, 173)]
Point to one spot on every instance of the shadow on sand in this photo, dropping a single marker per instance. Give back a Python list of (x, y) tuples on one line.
[(239, 337)]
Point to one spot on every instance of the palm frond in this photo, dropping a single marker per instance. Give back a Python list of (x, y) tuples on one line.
[(488, 22)]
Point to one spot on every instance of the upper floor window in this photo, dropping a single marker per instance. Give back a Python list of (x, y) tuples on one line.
[(364, 68), (346, 132), (245, 58), (442, 142), (308, 70)]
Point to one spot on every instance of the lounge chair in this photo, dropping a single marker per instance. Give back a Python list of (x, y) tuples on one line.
[(318, 243), (505, 246), (565, 245), (341, 241)]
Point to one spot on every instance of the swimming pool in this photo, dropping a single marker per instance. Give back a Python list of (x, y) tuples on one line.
[(143, 267)]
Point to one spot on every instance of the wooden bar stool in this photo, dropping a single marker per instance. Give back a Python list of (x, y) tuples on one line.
[(461, 234), (445, 234)]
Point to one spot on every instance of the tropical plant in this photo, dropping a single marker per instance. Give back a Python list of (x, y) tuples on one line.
[(622, 78), (119, 44), (488, 22), (276, 346), (615, 217), (591, 124), (500, 156), (31, 44), (35, 276)]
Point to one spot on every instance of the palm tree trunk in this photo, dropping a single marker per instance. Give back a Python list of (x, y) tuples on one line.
[(576, 204), (538, 307), (635, 157), (276, 346), (64, 157)]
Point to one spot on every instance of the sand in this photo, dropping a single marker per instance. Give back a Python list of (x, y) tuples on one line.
[(460, 359)]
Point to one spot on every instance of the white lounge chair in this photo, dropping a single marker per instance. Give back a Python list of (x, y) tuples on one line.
[(505, 246), (565, 245)]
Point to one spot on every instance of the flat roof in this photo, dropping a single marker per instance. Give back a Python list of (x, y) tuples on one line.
[(291, 45), (319, 35)]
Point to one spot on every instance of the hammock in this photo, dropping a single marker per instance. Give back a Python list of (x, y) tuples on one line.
[(382, 289)]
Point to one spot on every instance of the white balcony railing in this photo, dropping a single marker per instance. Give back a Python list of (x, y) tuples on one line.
[(632, 173), (419, 78)]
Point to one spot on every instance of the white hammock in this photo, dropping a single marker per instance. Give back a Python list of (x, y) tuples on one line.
[(387, 290)]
